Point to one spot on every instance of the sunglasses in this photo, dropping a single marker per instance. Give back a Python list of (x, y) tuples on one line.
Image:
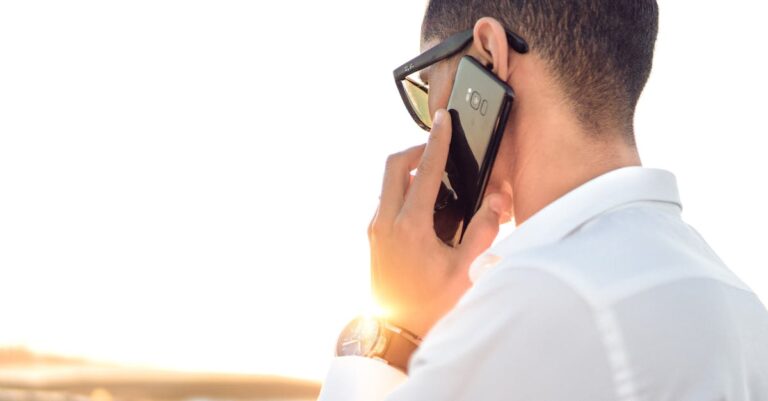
[(415, 93)]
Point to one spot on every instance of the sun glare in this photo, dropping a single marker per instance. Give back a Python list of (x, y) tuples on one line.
[(187, 185)]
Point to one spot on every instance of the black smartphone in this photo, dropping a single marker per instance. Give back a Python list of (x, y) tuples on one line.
[(479, 105)]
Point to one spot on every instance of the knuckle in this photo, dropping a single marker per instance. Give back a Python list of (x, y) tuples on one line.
[(427, 166), (407, 228), (375, 229), (393, 160), (370, 230)]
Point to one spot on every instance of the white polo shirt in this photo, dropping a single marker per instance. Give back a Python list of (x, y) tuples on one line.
[(605, 294)]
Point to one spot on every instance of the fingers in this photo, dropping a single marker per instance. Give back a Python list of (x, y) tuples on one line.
[(426, 184), (484, 227), (397, 177)]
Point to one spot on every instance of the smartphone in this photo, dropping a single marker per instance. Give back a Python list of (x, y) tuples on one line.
[(479, 105)]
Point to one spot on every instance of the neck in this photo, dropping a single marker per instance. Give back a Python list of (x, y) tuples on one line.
[(558, 158), (546, 151)]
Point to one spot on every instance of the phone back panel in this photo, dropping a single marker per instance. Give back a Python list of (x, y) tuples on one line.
[(477, 101), (476, 98)]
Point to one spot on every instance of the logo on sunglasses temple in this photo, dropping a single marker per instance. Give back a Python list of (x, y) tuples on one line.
[(408, 67)]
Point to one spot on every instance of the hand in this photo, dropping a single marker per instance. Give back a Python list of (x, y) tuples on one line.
[(414, 275)]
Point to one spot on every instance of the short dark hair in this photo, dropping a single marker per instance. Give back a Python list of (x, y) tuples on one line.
[(601, 51)]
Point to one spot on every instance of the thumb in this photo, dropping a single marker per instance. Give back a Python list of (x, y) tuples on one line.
[(484, 226)]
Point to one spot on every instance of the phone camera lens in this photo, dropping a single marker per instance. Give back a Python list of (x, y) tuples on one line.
[(483, 107), (475, 100)]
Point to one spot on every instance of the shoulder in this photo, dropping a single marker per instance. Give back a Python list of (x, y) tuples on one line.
[(623, 252)]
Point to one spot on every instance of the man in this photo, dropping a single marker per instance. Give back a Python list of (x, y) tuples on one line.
[(602, 292)]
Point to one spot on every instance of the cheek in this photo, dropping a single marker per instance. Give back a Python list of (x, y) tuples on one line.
[(440, 86), (438, 98)]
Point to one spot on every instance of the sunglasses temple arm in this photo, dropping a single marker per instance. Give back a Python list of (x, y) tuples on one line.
[(446, 49)]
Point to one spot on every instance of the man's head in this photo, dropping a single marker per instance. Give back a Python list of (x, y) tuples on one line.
[(576, 88), (599, 51)]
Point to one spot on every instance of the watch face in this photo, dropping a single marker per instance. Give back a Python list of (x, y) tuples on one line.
[(359, 337)]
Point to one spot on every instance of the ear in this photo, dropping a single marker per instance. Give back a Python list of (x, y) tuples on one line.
[(490, 46)]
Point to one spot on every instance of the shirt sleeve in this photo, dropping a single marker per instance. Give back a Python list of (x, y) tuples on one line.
[(355, 378), (517, 334)]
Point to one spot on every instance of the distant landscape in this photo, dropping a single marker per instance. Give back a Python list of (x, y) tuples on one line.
[(28, 376)]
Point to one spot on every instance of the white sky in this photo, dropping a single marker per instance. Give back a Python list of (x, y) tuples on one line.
[(187, 184)]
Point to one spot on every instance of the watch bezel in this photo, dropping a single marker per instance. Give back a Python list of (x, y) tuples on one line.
[(353, 332)]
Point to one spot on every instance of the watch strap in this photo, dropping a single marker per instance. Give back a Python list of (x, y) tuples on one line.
[(401, 344)]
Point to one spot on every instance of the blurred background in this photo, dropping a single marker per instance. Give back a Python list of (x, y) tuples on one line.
[(185, 186)]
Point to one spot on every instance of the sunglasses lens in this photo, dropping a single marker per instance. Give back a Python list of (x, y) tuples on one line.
[(418, 97)]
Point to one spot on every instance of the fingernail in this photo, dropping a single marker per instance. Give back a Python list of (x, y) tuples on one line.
[(438, 118), (495, 204)]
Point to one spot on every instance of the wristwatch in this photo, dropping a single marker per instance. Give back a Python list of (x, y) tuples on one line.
[(376, 338)]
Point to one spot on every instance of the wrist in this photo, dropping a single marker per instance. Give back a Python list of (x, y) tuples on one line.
[(417, 327), (378, 339), (419, 321)]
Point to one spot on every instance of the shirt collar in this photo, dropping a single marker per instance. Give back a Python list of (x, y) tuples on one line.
[(556, 220)]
